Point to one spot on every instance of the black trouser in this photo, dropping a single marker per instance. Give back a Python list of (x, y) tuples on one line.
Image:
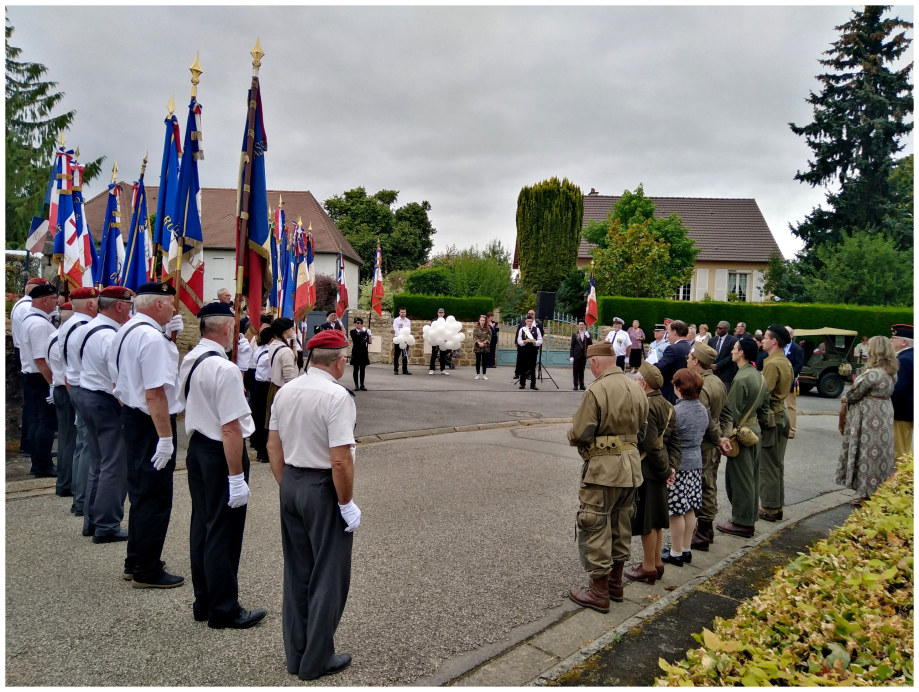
[(435, 352), (359, 374), (259, 396), (216, 538), (107, 465), (317, 568), (249, 380), (66, 440), (150, 492), (395, 358), (481, 358), (620, 361), (26, 409), (577, 370), (42, 425), (526, 362)]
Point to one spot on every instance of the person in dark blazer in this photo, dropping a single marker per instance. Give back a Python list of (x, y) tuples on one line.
[(723, 343), (795, 355), (360, 358), (674, 358), (580, 340), (494, 329)]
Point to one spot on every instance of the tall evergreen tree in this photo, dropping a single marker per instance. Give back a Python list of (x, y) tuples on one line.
[(860, 117), (549, 217), (31, 131)]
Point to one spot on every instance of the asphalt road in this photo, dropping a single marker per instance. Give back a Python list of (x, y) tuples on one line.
[(464, 536)]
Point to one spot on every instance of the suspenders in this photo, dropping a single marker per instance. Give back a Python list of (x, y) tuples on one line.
[(67, 339), (126, 332), (97, 328), (203, 356)]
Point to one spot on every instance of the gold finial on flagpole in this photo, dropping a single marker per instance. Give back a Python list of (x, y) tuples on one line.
[(115, 171), (76, 154), (143, 166), (300, 222), (257, 54), (171, 106), (60, 137), (280, 201), (310, 229), (196, 73)]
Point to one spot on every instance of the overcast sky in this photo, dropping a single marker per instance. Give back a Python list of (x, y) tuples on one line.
[(459, 106)]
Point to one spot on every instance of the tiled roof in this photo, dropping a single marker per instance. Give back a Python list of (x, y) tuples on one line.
[(218, 217), (728, 230)]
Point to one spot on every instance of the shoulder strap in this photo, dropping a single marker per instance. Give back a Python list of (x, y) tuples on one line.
[(97, 328), (743, 421), (203, 356), (660, 442), (126, 332), (275, 353), (53, 340), (67, 340)]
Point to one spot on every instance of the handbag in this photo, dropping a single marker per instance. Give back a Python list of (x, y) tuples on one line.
[(742, 435)]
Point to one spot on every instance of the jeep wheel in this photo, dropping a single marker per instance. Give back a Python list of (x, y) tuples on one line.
[(830, 385)]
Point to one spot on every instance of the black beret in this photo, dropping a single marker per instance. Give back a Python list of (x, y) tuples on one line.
[(215, 309), (748, 347), (281, 325), (162, 289), (43, 291), (265, 319), (780, 333)]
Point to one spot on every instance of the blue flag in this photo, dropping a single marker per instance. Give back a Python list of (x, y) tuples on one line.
[(63, 210), (139, 253), (112, 259), (257, 251), (91, 254), (166, 199), (275, 265)]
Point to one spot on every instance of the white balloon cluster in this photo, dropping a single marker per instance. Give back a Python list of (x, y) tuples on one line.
[(404, 338), (446, 334)]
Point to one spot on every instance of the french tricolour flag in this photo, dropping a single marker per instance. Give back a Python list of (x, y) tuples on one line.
[(591, 315), (341, 302)]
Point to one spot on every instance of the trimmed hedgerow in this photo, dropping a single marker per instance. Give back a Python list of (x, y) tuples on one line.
[(425, 307), (649, 311), (841, 615)]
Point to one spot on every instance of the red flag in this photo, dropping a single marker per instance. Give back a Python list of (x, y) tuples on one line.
[(376, 297), (591, 315), (341, 302)]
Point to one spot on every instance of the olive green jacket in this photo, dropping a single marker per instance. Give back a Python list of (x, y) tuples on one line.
[(743, 395), (660, 456), (714, 397), (780, 377)]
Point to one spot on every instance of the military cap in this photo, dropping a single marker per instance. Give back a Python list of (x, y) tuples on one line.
[(904, 331), (780, 333), (601, 349), (67, 306), (619, 320), (281, 325), (153, 288), (703, 353), (117, 292), (659, 328), (440, 310), (651, 374), (36, 281), (84, 293), (43, 290), (215, 309), (327, 338)]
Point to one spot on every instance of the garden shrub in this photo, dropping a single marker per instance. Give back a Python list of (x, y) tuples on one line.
[(425, 307)]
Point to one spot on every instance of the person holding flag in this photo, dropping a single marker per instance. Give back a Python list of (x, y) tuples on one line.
[(112, 260), (166, 198), (591, 315)]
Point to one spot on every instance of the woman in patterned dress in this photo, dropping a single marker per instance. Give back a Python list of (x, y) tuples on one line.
[(867, 457)]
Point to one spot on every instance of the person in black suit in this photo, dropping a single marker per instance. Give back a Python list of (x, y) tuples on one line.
[(578, 354), (674, 358), (360, 358), (795, 355), (531, 314), (723, 343)]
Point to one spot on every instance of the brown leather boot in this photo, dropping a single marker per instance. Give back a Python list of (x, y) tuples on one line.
[(700, 539), (595, 596), (615, 582)]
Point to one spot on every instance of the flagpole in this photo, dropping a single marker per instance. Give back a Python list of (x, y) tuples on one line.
[(257, 55)]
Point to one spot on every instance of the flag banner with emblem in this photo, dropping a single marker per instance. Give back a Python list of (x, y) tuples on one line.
[(37, 233), (283, 265), (305, 297), (186, 252), (341, 297), (273, 291), (293, 256), (591, 315), (163, 231), (66, 252), (257, 249), (112, 259), (376, 296), (139, 255), (86, 257)]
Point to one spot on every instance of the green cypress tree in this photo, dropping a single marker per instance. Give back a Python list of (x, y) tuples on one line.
[(549, 217), (860, 117)]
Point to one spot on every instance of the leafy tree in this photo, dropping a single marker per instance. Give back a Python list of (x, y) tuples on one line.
[(429, 281), (31, 130), (404, 234), (595, 232), (864, 269), (636, 264), (571, 296), (861, 115), (900, 219), (784, 279), (549, 217), (326, 290)]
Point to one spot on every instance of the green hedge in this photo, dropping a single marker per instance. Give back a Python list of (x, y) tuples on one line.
[(425, 307), (429, 281), (865, 320)]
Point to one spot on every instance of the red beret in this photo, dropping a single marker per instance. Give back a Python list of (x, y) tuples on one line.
[(67, 306), (117, 292), (36, 280), (84, 293), (328, 338)]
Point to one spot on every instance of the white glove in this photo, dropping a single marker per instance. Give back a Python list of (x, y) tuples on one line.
[(239, 491), (571, 360), (163, 453), (50, 398), (351, 514), (175, 325)]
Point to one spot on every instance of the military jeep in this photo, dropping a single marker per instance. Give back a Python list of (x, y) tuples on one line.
[(829, 368)]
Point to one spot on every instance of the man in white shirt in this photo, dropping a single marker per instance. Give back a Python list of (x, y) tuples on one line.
[(143, 363), (529, 339), (105, 455), (620, 341), (36, 331), (66, 429), (659, 345), (310, 444), (85, 303), (397, 325), (19, 310), (218, 419)]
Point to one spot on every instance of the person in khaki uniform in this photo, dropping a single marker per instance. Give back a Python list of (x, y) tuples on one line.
[(714, 396), (780, 379), (605, 431)]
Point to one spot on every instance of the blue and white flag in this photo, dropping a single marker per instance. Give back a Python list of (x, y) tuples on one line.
[(166, 198), (139, 257), (112, 259)]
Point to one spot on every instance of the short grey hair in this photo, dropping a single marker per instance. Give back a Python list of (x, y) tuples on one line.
[(146, 300), (107, 302), (213, 323), (327, 356)]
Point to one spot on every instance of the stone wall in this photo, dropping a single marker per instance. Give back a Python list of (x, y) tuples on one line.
[(13, 392)]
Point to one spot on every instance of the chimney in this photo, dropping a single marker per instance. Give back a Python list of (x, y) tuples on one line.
[(592, 192)]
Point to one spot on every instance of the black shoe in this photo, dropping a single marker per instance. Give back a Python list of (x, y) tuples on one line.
[(406, 372), (338, 663), (50, 474), (363, 388), (575, 389), (534, 388), (90, 531), (66, 493), (164, 581), (396, 372), (583, 388), (117, 537), (76, 512), (668, 558), (523, 386), (200, 614), (128, 575), (244, 620), (687, 557)]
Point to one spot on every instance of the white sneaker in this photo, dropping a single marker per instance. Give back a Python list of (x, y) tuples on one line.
[(484, 377), (430, 372), (445, 372), (476, 377)]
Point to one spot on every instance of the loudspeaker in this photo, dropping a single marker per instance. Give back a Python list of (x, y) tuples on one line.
[(545, 305)]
